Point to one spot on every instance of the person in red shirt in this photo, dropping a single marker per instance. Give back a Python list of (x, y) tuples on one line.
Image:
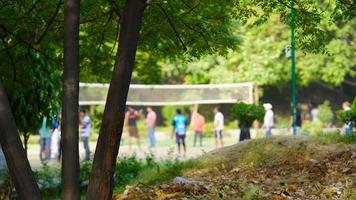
[(198, 126)]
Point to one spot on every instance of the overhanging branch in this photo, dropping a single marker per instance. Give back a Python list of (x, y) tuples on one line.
[(170, 22), (50, 22)]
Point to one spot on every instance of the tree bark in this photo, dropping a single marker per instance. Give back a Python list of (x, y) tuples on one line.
[(244, 133), (17, 162), (70, 118), (101, 178)]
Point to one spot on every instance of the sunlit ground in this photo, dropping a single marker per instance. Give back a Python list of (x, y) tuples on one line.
[(165, 147)]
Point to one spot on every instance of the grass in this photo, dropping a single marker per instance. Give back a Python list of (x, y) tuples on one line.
[(150, 171), (336, 137)]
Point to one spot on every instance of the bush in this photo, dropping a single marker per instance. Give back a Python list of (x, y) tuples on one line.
[(325, 114), (127, 169), (348, 116), (97, 117), (312, 128), (246, 114)]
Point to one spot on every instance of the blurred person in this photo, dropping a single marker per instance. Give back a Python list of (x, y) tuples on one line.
[(60, 136), (298, 122), (268, 120), (151, 125), (45, 140), (55, 138), (348, 125), (198, 126), (131, 120), (180, 123), (314, 113), (85, 128), (218, 127)]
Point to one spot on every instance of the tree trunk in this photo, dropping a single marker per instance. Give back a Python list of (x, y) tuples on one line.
[(101, 178), (70, 118), (17, 162), (244, 132)]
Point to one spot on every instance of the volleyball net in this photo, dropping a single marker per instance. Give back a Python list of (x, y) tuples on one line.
[(162, 95)]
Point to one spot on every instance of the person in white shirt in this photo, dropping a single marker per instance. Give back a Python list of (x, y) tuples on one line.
[(218, 126), (85, 124), (314, 113), (268, 120)]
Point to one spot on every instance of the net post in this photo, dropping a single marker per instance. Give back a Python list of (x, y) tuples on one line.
[(250, 93), (256, 124)]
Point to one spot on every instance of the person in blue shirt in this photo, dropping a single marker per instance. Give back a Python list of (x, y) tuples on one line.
[(179, 129)]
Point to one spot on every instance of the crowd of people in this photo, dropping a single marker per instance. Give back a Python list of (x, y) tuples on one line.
[(50, 137), (268, 121), (179, 124)]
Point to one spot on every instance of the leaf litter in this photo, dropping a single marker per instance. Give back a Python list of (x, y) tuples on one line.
[(278, 168)]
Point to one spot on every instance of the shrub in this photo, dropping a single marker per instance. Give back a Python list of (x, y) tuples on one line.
[(246, 114), (127, 169), (348, 116), (312, 128), (325, 114)]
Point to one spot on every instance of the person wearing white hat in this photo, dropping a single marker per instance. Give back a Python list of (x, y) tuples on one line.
[(268, 120)]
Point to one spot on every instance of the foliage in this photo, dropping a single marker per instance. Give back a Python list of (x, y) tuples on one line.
[(336, 137), (29, 57), (261, 58), (31, 47), (246, 114), (348, 116), (30, 98), (134, 171), (325, 114), (312, 128)]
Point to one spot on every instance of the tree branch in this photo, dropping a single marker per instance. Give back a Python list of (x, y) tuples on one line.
[(11, 60), (170, 22), (302, 11), (116, 8), (198, 31), (191, 8), (33, 6), (94, 19), (28, 44), (116, 35), (50, 22), (348, 82)]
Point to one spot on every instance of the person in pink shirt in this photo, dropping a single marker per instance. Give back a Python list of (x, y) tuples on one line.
[(151, 125), (198, 126)]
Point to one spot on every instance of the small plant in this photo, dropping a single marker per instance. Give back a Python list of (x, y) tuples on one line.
[(325, 114), (246, 114)]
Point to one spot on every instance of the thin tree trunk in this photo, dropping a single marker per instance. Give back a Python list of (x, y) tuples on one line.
[(17, 162), (70, 120), (101, 178)]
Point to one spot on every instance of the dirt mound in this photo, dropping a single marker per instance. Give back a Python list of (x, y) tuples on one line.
[(275, 168)]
